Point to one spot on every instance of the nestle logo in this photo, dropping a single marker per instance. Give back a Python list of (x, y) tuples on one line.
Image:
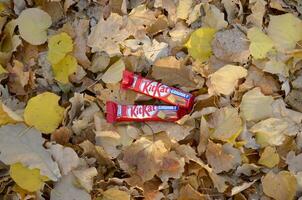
[(141, 111), (154, 89)]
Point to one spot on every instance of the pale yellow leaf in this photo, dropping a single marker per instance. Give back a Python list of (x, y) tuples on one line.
[(33, 24), (183, 9), (115, 194), (285, 30), (269, 157), (224, 80), (115, 72), (261, 44), (256, 106)]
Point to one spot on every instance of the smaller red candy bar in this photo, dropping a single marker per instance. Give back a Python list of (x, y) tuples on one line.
[(139, 113), (157, 90)]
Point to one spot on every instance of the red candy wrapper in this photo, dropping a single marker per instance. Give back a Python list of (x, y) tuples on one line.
[(157, 90), (139, 113)]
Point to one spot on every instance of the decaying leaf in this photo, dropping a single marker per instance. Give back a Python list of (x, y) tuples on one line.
[(224, 80), (280, 186), (24, 145), (214, 18), (85, 177), (231, 45), (33, 24), (43, 112)]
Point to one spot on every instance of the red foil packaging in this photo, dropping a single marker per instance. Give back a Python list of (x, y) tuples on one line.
[(139, 113), (157, 90)]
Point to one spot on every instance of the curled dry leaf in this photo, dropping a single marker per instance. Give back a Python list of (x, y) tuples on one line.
[(224, 80), (33, 24), (279, 186)]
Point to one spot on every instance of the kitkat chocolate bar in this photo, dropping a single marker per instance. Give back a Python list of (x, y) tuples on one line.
[(157, 90), (139, 113)]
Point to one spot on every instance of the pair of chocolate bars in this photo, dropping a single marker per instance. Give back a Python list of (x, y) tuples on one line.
[(180, 102)]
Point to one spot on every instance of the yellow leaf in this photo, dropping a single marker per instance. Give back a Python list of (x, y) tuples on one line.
[(2, 70), (58, 46), (281, 186), (269, 157), (115, 194), (64, 68), (183, 9), (261, 44), (7, 116), (224, 80), (43, 112), (255, 105), (285, 30), (199, 43), (115, 72), (28, 179), (276, 67), (33, 24)]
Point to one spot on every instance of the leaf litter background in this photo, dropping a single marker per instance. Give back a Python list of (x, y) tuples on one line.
[(62, 60)]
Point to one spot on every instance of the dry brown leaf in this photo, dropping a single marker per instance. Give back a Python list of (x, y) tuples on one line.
[(107, 35), (281, 186), (231, 45), (222, 157), (144, 158), (173, 72), (188, 191)]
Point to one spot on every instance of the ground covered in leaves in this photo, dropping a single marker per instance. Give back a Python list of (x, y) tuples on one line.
[(61, 60)]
